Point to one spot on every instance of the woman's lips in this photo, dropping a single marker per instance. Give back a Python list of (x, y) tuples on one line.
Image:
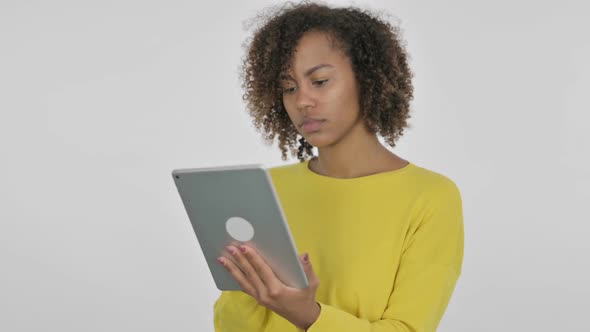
[(313, 125)]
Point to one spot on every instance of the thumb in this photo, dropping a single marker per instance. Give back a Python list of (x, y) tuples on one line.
[(308, 268)]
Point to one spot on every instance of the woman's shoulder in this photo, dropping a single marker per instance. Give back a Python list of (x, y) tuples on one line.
[(435, 185), (432, 178), (295, 168)]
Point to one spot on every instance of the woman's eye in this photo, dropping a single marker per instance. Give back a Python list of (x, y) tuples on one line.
[(290, 90)]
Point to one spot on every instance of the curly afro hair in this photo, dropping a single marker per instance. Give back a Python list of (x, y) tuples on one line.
[(374, 47)]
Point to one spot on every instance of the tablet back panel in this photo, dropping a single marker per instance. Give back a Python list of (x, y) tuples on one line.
[(222, 203)]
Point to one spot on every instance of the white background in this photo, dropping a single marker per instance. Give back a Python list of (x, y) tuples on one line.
[(100, 100)]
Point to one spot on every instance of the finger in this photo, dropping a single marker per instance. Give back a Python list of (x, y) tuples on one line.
[(238, 276), (247, 269), (265, 272), (309, 272)]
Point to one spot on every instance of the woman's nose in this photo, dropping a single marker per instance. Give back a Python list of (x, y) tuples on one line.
[(304, 98)]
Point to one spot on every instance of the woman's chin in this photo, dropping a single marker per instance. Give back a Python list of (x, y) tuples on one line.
[(317, 139)]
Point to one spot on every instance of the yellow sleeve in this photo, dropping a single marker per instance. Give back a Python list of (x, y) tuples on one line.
[(238, 311), (429, 268)]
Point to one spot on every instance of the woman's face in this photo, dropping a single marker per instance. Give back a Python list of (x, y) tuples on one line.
[(321, 85)]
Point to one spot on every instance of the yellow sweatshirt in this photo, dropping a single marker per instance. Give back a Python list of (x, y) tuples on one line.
[(387, 248)]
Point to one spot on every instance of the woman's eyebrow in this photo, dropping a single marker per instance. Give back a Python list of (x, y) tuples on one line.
[(309, 71)]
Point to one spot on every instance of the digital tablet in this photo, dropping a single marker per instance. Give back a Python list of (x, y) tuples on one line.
[(234, 205)]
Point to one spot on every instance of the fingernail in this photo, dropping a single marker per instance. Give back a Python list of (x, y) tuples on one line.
[(306, 257), (242, 248), (231, 250), (220, 260)]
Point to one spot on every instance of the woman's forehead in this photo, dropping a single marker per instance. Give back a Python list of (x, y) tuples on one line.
[(314, 45), (315, 51)]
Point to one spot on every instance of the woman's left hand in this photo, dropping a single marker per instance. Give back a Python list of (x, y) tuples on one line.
[(257, 279)]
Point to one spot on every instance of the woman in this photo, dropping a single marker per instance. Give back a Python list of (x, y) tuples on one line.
[(385, 235)]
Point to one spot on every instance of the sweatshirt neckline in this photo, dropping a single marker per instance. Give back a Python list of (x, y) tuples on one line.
[(358, 179)]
